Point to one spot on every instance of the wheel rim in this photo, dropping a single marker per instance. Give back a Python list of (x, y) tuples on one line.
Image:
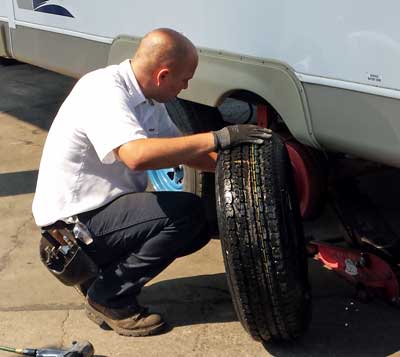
[(302, 178), (308, 181), (170, 179)]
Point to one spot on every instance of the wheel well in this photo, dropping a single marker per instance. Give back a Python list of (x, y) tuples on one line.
[(253, 99), (247, 96)]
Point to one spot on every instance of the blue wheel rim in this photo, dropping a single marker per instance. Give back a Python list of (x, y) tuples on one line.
[(170, 179)]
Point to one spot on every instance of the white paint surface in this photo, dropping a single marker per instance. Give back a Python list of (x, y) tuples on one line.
[(348, 41), (4, 8)]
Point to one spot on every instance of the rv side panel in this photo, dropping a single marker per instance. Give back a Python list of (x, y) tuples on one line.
[(70, 55)]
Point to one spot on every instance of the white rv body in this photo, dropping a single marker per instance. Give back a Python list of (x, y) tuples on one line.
[(357, 42), (329, 69)]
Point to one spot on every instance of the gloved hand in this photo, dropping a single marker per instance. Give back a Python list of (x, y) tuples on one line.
[(233, 135)]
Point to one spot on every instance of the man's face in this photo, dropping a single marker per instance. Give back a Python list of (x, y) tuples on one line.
[(175, 80)]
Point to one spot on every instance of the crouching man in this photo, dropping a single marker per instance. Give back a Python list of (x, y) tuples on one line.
[(108, 132)]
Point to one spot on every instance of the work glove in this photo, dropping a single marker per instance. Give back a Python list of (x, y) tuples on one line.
[(233, 135)]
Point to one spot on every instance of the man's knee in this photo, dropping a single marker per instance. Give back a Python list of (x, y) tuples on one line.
[(198, 226), (178, 205), (190, 210)]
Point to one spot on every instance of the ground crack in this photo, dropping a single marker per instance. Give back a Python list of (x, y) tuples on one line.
[(5, 258), (43, 307), (198, 342), (63, 342)]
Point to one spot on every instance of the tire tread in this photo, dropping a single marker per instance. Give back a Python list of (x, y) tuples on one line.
[(265, 262)]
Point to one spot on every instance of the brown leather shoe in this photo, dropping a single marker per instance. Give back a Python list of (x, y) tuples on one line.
[(130, 321)]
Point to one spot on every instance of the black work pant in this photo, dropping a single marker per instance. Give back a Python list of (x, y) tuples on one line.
[(138, 235)]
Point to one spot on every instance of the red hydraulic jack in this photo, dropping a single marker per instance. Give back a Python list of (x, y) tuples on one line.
[(372, 261), (371, 275)]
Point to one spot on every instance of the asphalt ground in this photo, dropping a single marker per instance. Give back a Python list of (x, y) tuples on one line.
[(37, 311)]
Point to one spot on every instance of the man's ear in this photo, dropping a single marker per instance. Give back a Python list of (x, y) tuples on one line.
[(162, 75)]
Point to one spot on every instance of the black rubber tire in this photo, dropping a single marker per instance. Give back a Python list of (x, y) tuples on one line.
[(192, 118), (262, 240)]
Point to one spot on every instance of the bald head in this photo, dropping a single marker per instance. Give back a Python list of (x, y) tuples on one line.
[(164, 63), (163, 47)]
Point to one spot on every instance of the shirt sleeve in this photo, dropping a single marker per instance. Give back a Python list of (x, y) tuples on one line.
[(112, 124)]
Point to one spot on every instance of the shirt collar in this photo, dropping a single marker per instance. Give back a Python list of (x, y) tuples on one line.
[(134, 90)]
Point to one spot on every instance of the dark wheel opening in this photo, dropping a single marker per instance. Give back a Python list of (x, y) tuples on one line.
[(192, 118)]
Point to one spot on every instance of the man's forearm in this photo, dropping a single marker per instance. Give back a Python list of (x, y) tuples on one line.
[(157, 153), (205, 162)]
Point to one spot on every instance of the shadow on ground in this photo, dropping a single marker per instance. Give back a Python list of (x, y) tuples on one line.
[(193, 300), (341, 325), (32, 94), (18, 183)]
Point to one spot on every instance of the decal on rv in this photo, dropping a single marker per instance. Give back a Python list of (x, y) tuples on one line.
[(50, 7), (46, 6)]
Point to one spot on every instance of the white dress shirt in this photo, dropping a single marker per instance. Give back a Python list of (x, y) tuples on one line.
[(78, 170)]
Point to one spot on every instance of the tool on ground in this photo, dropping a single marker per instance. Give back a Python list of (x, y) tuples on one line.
[(78, 349)]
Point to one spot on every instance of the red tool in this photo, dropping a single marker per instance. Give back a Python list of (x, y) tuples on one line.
[(371, 275)]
